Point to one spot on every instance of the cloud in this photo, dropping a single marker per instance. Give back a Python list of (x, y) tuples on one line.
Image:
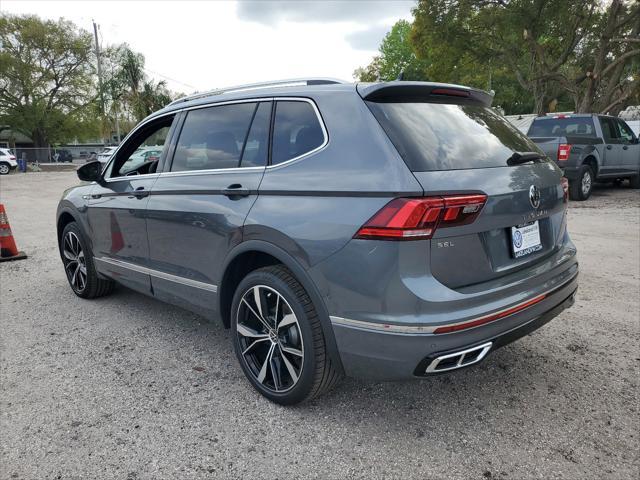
[(361, 11), (368, 39)]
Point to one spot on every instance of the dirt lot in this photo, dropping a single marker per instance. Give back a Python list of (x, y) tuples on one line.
[(127, 387)]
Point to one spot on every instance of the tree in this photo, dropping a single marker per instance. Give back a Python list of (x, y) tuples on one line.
[(46, 87), (580, 55), (396, 56), (127, 88)]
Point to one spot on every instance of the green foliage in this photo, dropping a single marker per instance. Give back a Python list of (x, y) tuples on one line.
[(46, 83), (396, 56), (537, 55)]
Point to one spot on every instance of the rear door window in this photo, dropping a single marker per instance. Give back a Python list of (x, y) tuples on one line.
[(432, 136), (213, 138), (609, 130), (296, 132), (562, 126)]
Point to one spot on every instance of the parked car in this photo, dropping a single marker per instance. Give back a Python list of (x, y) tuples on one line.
[(105, 154), (8, 161), (589, 148), (387, 230), (63, 156), (144, 154)]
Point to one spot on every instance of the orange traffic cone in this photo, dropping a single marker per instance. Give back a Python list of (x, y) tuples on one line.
[(8, 249)]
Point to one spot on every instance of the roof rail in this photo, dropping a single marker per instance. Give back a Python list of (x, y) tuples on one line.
[(255, 86)]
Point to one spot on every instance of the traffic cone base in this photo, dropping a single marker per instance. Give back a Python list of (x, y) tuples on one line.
[(8, 249)]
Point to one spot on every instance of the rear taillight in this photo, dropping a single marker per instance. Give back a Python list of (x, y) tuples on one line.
[(418, 218), (563, 152), (565, 189)]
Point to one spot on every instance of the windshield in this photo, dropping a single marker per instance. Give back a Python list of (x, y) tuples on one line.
[(432, 136)]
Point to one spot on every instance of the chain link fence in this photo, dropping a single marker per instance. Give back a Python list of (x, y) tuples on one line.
[(56, 155)]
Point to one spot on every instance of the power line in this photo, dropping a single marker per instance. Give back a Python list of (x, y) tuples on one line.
[(169, 78)]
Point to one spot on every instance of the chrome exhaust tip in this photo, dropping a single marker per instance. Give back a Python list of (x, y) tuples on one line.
[(464, 358)]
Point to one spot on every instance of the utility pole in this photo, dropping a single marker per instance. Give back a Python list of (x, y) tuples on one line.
[(95, 35)]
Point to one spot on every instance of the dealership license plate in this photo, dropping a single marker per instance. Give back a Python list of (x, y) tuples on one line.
[(525, 239)]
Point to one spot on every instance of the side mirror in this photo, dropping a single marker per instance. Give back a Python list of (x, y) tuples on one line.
[(90, 172)]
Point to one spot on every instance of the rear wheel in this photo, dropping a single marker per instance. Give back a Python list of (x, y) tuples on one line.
[(581, 187), (79, 267), (4, 168), (278, 338)]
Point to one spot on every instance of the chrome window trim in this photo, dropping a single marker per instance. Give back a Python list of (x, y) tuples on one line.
[(225, 170), (158, 274)]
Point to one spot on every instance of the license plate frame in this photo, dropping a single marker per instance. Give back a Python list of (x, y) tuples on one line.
[(525, 239)]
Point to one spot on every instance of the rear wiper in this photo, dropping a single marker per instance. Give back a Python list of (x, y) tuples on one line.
[(523, 157)]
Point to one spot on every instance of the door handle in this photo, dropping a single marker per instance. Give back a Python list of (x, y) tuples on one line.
[(609, 147), (236, 190), (139, 193)]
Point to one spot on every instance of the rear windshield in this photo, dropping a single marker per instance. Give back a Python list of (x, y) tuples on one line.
[(561, 127), (432, 136)]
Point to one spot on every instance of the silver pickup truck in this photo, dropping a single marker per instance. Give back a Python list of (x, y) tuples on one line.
[(589, 148)]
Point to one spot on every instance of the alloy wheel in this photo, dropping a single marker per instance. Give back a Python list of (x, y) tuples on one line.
[(74, 262), (270, 338), (4, 169)]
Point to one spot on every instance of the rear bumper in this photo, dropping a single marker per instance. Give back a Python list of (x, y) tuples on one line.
[(395, 356), (571, 173)]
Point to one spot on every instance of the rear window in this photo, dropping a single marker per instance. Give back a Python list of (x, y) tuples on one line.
[(432, 136), (561, 127)]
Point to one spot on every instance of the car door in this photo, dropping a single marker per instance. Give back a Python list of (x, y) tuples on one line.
[(117, 207), (612, 161), (630, 147), (199, 202)]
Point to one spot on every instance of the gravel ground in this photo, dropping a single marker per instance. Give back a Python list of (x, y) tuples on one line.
[(128, 387)]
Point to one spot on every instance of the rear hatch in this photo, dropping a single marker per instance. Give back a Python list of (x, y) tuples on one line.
[(456, 144)]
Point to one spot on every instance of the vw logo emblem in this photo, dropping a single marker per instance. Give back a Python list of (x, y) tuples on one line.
[(534, 196)]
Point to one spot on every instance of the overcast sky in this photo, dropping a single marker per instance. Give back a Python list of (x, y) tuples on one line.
[(203, 45)]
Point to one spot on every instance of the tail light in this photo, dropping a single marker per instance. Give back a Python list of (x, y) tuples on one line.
[(565, 189), (563, 152), (418, 218)]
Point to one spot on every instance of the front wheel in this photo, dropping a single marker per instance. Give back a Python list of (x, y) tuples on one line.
[(278, 338), (580, 189), (78, 265)]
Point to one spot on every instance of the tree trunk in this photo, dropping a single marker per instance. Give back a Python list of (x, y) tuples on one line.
[(41, 144)]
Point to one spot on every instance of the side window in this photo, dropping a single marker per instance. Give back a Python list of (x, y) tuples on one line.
[(296, 131), (142, 152), (213, 137), (626, 135), (609, 131), (256, 148)]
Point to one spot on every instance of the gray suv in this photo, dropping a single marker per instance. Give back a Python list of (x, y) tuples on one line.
[(390, 230)]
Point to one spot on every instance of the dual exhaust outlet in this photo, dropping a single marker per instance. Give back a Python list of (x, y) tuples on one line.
[(461, 359)]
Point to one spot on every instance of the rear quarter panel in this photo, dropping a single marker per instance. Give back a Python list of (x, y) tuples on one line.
[(313, 206)]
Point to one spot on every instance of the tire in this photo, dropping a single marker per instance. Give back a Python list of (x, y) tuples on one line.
[(634, 182), (5, 168), (581, 188), (79, 267), (280, 345)]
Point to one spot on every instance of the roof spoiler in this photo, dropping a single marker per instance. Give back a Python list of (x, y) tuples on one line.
[(423, 91)]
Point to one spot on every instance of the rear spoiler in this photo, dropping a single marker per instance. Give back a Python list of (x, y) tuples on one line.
[(423, 92)]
